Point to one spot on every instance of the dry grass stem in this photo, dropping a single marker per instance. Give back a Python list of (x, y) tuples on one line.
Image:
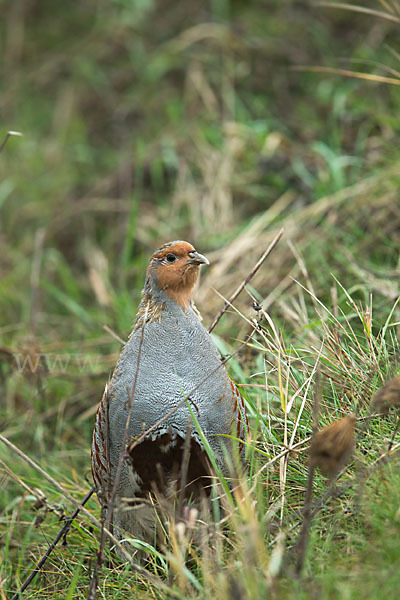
[(187, 398), (246, 280), (7, 137), (61, 534), (111, 494), (84, 511)]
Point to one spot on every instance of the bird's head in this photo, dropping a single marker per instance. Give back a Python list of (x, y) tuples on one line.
[(174, 269)]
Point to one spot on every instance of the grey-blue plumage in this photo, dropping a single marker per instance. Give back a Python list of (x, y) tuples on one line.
[(178, 358)]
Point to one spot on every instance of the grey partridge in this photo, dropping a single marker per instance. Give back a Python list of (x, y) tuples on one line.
[(178, 359)]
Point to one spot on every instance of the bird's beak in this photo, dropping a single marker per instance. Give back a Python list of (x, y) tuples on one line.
[(197, 259)]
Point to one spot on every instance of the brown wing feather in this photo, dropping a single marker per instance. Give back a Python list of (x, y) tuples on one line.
[(99, 455)]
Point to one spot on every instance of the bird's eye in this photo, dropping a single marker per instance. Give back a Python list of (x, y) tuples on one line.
[(171, 258)]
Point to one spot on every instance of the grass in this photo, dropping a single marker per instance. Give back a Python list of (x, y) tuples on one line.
[(144, 122)]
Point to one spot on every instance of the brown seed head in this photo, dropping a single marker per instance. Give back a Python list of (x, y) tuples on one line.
[(332, 446), (387, 397)]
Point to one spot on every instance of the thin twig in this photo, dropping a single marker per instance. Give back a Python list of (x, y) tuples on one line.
[(84, 511), (361, 9), (99, 560), (302, 541), (188, 398), (38, 494), (95, 521), (184, 469), (246, 280), (182, 484), (111, 500), (303, 538), (128, 420), (63, 531), (282, 453), (334, 491), (396, 429), (44, 474), (8, 135), (338, 491), (113, 334)]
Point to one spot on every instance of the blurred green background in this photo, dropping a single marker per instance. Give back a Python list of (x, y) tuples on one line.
[(145, 121)]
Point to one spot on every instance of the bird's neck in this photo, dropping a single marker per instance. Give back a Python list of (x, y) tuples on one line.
[(179, 289), (155, 302), (182, 297), (149, 310)]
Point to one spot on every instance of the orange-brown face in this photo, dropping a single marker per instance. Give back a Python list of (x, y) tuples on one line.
[(176, 268)]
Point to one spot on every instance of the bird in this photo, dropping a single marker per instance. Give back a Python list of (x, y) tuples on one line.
[(168, 371)]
